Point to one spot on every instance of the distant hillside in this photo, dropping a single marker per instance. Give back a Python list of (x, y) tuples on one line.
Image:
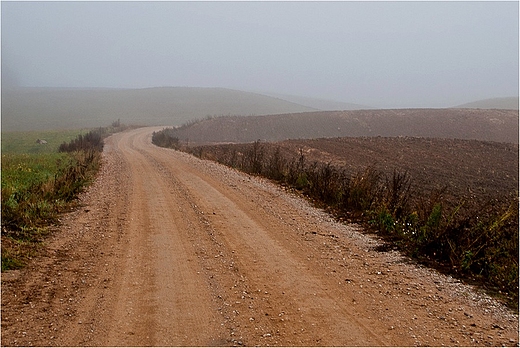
[(60, 108), (491, 125), (510, 103), (317, 103)]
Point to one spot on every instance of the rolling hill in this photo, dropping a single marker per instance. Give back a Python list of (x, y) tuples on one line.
[(318, 103), (510, 103), (490, 125), (65, 108), (269, 117)]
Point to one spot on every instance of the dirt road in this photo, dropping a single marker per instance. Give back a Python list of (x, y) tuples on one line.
[(169, 250)]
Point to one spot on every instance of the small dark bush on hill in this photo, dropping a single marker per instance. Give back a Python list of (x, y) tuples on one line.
[(164, 140), (91, 141)]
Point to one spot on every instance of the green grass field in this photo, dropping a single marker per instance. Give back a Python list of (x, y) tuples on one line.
[(25, 142), (36, 181), (21, 171)]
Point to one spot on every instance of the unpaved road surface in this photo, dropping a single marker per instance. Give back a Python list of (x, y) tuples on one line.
[(169, 250)]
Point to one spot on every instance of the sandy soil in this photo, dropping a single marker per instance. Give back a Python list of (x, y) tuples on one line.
[(169, 250)]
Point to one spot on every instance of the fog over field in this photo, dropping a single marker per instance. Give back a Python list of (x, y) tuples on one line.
[(376, 54)]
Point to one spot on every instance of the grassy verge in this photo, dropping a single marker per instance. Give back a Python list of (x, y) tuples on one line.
[(38, 187), (473, 240)]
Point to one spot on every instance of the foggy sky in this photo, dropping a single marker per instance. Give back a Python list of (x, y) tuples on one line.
[(382, 54)]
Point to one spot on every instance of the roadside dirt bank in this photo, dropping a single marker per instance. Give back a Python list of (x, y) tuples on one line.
[(169, 250)]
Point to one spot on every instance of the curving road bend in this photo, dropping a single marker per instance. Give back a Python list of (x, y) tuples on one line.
[(169, 250)]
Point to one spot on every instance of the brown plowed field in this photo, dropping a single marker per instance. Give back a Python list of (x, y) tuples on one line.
[(169, 250), (476, 172), (478, 124), (470, 169)]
